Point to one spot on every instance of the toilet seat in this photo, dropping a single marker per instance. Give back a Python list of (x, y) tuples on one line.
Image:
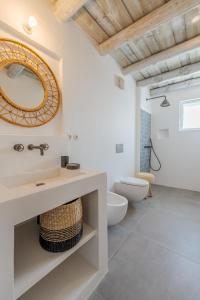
[(132, 188), (116, 200), (134, 181)]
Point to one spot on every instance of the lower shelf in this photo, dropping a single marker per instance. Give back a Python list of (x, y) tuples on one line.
[(32, 263), (66, 282)]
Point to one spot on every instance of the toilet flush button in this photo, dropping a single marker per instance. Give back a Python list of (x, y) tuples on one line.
[(119, 148)]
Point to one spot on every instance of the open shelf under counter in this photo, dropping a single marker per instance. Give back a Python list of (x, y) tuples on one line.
[(32, 263), (67, 282)]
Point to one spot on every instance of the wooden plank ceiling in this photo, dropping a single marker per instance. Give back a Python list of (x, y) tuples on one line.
[(102, 19)]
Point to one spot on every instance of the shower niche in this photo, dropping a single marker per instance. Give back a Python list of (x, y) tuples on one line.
[(163, 134)]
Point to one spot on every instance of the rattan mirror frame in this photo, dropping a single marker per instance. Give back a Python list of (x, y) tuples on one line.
[(12, 51)]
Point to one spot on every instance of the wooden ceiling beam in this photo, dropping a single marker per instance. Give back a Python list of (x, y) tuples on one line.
[(164, 55), (148, 23), (165, 77), (174, 87), (66, 9)]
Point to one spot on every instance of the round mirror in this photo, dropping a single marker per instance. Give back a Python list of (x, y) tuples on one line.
[(22, 86), (29, 92)]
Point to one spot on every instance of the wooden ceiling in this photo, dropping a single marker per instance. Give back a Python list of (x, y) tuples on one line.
[(147, 38)]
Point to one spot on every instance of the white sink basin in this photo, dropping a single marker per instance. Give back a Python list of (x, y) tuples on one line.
[(39, 178)]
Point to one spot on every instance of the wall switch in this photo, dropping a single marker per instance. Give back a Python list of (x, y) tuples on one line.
[(119, 148)]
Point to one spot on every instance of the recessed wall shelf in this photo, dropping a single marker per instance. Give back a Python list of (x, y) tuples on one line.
[(163, 134), (32, 263)]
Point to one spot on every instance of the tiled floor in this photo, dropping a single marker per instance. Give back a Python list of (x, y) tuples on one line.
[(154, 254)]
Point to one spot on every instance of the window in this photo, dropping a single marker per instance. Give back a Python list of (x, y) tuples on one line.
[(190, 114)]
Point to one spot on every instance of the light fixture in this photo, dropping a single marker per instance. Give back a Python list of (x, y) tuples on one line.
[(196, 19), (32, 22), (164, 103)]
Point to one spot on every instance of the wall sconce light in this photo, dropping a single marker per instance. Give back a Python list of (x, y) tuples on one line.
[(32, 22), (196, 19)]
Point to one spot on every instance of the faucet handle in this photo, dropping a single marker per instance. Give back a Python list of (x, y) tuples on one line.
[(45, 146), (18, 147)]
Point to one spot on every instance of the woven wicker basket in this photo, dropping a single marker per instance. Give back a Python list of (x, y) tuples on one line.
[(61, 228)]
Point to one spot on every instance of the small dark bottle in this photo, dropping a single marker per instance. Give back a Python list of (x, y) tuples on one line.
[(64, 161)]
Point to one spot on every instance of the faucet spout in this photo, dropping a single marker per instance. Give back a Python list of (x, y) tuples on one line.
[(41, 151), (41, 147)]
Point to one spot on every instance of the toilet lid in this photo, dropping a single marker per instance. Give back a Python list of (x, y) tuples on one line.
[(134, 181)]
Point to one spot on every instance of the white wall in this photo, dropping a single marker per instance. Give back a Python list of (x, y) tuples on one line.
[(142, 95), (93, 107), (99, 112), (180, 153)]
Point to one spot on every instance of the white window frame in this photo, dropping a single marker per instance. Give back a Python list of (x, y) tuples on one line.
[(181, 104)]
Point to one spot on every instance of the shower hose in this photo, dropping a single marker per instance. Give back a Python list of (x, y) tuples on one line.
[(152, 151)]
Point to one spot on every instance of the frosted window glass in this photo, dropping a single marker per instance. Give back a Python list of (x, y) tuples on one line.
[(190, 114)]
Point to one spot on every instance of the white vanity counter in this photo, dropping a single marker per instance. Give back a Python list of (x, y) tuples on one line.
[(73, 274), (20, 185)]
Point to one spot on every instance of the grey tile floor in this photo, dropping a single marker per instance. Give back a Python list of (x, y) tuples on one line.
[(154, 254)]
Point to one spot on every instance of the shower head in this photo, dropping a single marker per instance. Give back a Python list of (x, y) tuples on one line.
[(164, 103)]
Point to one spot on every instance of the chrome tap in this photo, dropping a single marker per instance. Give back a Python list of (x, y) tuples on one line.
[(41, 147)]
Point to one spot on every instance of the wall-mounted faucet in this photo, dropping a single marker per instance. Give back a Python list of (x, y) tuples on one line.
[(41, 147)]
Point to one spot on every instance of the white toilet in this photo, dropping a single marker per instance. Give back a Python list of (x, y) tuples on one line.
[(134, 189), (116, 208)]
